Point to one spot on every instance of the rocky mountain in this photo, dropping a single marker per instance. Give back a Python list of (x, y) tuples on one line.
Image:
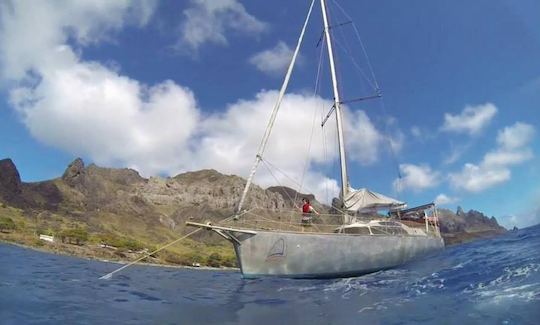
[(39, 195), (292, 198), (119, 203), (465, 226)]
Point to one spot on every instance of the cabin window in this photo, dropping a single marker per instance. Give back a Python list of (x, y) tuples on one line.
[(393, 230), (389, 223), (357, 230)]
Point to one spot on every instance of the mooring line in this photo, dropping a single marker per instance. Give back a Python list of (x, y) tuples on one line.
[(109, 275)]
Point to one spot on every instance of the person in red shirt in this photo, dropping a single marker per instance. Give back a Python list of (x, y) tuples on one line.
[(307, 210)]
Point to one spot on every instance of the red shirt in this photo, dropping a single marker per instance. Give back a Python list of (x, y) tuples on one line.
[(306, 208)]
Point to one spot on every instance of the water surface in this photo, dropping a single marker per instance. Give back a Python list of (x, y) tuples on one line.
[(495, 281)]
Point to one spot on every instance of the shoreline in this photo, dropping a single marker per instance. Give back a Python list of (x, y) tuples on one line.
[(120, 262)]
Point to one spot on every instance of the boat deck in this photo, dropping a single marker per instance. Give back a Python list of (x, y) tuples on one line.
[(291, 221)]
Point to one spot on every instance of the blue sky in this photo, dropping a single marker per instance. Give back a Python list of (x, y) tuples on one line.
[(166, 87)]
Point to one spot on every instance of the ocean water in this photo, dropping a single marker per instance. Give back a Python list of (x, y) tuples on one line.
[(495, 281)]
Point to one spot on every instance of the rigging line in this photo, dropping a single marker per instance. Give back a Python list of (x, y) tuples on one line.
[(357, 33), (324, 142), (265, 163), (377, 95), (325, 149), (392, 149), (315, 91), (293, 202), (372, 83), (284, 174), (341, 24), (360, 40), (291, 179), (324, 139), (281, 171), (349, 52), (275, 110), (321, 38), (325, 154)]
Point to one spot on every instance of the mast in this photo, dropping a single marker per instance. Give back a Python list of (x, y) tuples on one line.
[(337, 105)]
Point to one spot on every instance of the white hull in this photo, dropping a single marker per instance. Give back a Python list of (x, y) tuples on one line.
[(312, 255)]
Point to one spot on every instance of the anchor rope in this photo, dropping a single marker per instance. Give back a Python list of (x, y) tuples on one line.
[(109, 275)]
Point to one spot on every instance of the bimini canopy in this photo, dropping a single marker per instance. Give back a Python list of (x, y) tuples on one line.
[(364, 200)]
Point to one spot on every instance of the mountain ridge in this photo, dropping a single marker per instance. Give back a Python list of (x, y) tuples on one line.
[(119, 203)]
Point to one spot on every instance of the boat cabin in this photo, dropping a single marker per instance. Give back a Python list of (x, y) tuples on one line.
[(379, 227)]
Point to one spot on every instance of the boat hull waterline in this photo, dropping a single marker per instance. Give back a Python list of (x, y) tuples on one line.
[(316, 255)]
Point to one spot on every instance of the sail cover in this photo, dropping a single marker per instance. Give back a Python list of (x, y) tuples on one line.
[(365, 200)]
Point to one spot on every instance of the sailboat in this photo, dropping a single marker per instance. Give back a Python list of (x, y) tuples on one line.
[(354, 247)]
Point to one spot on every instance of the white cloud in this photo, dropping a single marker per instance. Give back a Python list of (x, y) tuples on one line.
[(502, 157), (33, 34), (516, 136), (273, 61), (209, 20), (416, 178), (475, 178), (324, 188), (230, 140), (443, 199), (88, 109), (471, 120), (494, 169), (521, 220), (455, 153), (363, 139), (528, 216), (416, 132)]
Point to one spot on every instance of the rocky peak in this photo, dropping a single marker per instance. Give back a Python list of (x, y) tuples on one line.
[(462, 226), (119, 176), (208, 188), (290, 194), (10, 180), (75, 172), (207, 176)]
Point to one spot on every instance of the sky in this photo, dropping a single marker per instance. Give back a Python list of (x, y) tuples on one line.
[(166, 87)]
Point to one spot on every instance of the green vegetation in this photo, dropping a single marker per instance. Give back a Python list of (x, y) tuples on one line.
[(124, 236), (229, 261), (119, 242), (7, 224), (77, 236), (214, 260)]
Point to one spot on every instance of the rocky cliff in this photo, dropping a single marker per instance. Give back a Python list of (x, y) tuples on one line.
[(465, 226), (39, 195), (120, 203)]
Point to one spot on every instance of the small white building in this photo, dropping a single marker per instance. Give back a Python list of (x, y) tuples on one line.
[(46, 238)]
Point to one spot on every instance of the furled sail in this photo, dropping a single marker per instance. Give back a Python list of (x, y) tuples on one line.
[(364, 200)]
